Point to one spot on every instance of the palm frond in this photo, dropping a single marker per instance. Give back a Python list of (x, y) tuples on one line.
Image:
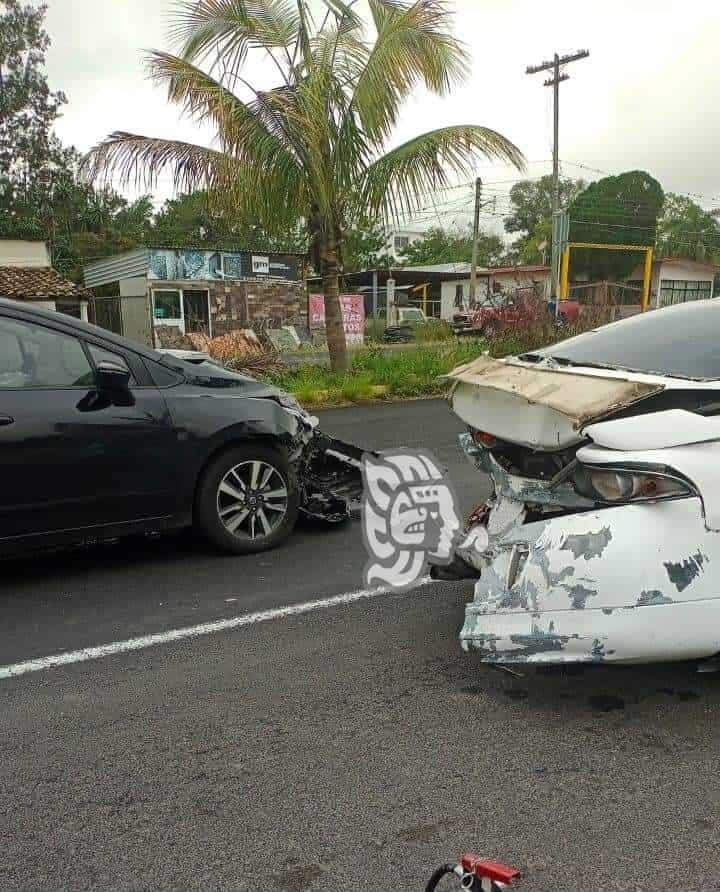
[(272, 202), (344, 12), (394, 184), (226, 29), (413, 45), (254, 131), (139, 161)]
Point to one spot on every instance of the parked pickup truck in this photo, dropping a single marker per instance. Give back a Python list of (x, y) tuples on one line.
[(408, 319), (506, 313)]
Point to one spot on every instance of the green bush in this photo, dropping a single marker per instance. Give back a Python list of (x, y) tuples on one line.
[(414, 370), (374, 331), (433, 330)]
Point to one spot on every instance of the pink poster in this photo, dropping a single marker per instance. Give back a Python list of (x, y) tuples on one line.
[(353, 310)]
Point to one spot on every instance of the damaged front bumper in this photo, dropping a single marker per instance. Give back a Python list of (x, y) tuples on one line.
[(329, 474), (631, 583)]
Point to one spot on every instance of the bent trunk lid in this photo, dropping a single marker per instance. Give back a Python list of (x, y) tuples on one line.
[(540, 407)]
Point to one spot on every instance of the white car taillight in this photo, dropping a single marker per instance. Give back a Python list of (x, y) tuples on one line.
[(625, 485)]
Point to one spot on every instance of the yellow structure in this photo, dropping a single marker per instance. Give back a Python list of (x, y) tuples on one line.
[(424, 288), (565, 267)]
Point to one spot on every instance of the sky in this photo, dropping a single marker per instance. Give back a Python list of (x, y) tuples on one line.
[(648, 97)]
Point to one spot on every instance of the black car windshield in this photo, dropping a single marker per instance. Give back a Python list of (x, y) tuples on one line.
[(681, 341)]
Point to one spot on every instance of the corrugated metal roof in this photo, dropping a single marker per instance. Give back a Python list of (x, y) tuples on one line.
[(530, 268), (445, 268), (224, 248), (128, 265)]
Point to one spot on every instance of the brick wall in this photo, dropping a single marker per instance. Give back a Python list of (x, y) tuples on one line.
[(247, 304)]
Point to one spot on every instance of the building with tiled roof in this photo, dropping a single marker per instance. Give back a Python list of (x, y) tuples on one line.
[(26, 274)]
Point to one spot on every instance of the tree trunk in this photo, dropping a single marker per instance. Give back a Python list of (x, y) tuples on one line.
[(333, 311)]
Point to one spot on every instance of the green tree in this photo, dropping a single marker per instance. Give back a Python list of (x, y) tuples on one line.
[(686, 230), (194, 220), (537, 246), (41, 193), (532, 202), (82, 223), (453, 246), (31, 156), (617, 210), (312, 146), (363, 247)]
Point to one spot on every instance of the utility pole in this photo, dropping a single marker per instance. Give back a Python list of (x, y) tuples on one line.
[(476, 234), (554, 82)]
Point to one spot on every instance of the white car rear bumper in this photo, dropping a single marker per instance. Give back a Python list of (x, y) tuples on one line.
[(634, 583)]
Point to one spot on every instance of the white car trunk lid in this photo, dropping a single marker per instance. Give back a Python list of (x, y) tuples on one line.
[(538, 407)]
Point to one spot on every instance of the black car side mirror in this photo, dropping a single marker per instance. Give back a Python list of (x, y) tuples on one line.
[(113, 382)]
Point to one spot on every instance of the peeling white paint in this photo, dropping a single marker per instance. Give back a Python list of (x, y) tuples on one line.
[(599, 577), (585, 581)]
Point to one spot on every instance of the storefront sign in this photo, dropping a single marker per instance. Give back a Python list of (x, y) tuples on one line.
[(261, 265), (353, 312)]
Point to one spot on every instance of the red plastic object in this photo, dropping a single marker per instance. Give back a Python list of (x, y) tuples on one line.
[(491, 870), (484, 439)]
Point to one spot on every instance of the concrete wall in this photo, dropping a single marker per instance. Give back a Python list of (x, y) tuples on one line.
[(17, 252), (135, 287), (412, 235), (447, 295), (511, 281)]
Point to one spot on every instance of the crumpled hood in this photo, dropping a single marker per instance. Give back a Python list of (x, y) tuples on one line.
[(537, 406)]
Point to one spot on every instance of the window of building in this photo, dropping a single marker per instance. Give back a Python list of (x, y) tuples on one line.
[(401, 242), (167, 306), (680, 291), (187, 308), (34, 356)]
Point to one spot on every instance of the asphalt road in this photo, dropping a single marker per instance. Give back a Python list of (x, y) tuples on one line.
[(354, 747)]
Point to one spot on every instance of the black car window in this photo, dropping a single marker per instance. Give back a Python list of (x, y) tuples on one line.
[(682, 340), (100, 354), (35, 356)]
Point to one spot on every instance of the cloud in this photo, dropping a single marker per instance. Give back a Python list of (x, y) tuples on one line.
[(648, 96)]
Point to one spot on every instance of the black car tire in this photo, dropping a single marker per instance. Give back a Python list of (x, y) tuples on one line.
[(208, 499)]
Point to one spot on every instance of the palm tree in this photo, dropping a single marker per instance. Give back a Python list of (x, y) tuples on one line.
[(311, 147)]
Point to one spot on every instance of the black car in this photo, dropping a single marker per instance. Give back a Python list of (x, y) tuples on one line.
[(101, 437)]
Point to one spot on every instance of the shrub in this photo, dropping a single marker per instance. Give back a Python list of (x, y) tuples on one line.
[(374, 330), (433, 330)]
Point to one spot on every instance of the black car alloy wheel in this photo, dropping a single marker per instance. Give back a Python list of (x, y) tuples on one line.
[(247, 499), (252, 499)]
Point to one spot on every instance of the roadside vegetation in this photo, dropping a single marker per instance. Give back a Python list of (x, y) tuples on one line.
[(378, 373)]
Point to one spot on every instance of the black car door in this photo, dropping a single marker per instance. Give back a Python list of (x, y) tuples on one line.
[(69, 460)]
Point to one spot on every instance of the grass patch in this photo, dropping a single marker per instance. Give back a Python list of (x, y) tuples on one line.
[(378, 373)]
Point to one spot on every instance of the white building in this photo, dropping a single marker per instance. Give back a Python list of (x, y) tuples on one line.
[(397, 240), (26, 274), (455, 289), (676, 280)]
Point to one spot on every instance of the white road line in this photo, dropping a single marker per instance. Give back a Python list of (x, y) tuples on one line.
[(222, 625)]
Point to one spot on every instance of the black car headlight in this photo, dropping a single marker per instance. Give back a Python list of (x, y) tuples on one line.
[(287, 401), (619, 485)]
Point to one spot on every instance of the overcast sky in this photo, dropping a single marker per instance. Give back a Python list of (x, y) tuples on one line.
[(648, 97)]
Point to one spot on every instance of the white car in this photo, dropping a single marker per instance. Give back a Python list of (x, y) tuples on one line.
[(601, 542)]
